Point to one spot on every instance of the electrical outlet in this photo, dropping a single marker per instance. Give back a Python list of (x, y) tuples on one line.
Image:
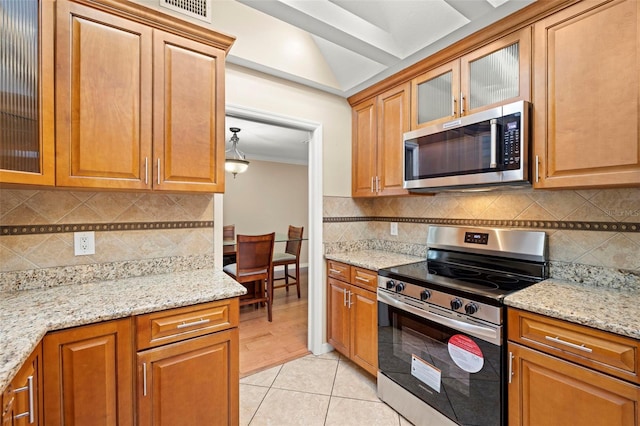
[(84, 243), (394, 228)]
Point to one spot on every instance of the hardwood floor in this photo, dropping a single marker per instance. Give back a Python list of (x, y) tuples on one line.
[(265, 344)]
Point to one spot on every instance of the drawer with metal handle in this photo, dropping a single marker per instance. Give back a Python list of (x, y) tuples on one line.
[(606, 352), (160, 328)]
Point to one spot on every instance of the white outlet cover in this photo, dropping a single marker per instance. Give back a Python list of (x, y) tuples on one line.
[(84, 243), (394, 228)]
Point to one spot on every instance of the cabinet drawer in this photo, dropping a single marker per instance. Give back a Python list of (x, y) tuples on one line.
[(364, 278), (339, 271), (160, 328), (600, 350)]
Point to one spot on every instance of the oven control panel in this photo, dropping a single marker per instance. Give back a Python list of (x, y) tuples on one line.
[(476, 238), (429, 296)]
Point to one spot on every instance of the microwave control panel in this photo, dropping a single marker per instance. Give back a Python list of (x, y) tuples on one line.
[(511, 127)]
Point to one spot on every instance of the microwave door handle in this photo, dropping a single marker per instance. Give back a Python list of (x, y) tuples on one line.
[(494, 144)]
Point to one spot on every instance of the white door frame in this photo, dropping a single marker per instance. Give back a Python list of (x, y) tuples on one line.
[(316, 340)]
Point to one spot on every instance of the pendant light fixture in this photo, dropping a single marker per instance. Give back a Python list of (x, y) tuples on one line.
[(235, 161)]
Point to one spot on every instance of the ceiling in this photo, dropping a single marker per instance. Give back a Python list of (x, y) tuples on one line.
[(362, 42)]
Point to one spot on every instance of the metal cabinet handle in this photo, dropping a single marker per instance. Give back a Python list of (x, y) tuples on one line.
[(372, 178), (537, 169), (191, 324), (158, 171), (144, 379), (31, 411), (146, 170), (335, 271), (362, 279), (461, 104), (344, 297), (377, 183), (510, 366), (569, 344), (350, 303), (453, 106)]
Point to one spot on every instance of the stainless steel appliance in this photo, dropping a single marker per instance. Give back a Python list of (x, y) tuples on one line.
[(441, 342), (489, 148)]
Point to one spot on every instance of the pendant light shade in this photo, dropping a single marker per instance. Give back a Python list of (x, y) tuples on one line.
[(235, 161)]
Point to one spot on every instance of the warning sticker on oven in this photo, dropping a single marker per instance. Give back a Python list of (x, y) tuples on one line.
[(425, 372), (465, 353)]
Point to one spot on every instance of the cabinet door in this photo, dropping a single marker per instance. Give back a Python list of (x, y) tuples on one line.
[(545, 390), (363, 161), (587, 96), (497, 73), (188, 102), (364, 329), (194, 382), (435, 96), (27, 144), (103, 100), (88, 376), (338, 322), (25, 392), (393, 121)]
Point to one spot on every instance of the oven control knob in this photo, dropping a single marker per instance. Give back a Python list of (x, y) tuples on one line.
[(456, 304), (391, 284), (425, 294), (471, 308), (399, 287)]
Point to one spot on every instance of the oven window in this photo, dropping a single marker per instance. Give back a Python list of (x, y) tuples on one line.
[(457, 374)]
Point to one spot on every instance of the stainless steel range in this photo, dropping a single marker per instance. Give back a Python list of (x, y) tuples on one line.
[(441, 341)]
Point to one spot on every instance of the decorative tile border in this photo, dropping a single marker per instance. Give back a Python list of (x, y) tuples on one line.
[(102, 227), (539, 224)]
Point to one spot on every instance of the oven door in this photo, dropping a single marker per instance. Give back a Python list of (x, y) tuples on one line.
[(442, 361)]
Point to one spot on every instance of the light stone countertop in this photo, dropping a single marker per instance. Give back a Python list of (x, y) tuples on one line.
[(373, 259), (605, 308), (26, 316)]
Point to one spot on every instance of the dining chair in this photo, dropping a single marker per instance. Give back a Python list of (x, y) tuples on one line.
[(291, 256), (228, 251), (253, 268)]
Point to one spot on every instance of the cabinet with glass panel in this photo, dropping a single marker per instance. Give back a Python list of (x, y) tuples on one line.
[(495, 73), (26, 92)]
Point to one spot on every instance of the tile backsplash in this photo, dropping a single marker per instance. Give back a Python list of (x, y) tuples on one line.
[(598, 228), (25, 251)]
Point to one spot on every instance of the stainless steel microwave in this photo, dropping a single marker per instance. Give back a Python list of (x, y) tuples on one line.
[(486, 149)]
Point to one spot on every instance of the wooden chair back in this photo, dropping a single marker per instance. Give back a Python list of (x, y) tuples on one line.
[(294, 244), (254, 255), (229, 232)]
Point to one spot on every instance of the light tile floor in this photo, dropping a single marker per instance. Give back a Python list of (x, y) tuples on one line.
[(314, 390)]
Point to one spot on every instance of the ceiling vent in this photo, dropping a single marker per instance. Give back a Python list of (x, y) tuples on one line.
[(200, 9)]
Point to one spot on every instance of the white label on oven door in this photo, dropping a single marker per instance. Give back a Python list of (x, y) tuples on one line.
[(425, 372), (466, 353)]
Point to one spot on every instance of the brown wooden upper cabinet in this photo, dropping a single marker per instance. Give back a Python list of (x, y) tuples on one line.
[(496, 73), (137, 107), (27, 104), (587, 96), (378, 125)]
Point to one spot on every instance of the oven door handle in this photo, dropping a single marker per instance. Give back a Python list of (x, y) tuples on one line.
[(491, 335)]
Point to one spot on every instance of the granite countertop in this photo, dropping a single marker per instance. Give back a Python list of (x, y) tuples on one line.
[(373, 259), (610, 309), (26, 316)]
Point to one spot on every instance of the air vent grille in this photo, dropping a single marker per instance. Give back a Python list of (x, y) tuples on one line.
[(200, 9)]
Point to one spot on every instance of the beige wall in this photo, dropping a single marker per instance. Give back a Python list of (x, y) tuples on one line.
[(250, 89), (268, 197)]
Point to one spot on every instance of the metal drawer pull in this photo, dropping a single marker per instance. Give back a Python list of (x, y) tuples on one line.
[(571, 345), (28, 388), (191, 324), (511, 373), (146, 170), (144, 379), (335, 271), (362, 279)]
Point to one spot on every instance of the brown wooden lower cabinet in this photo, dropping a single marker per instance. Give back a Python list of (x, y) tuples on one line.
[(88, 375), (546, 390), (22, 399), (352, 314), (194, 382)]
